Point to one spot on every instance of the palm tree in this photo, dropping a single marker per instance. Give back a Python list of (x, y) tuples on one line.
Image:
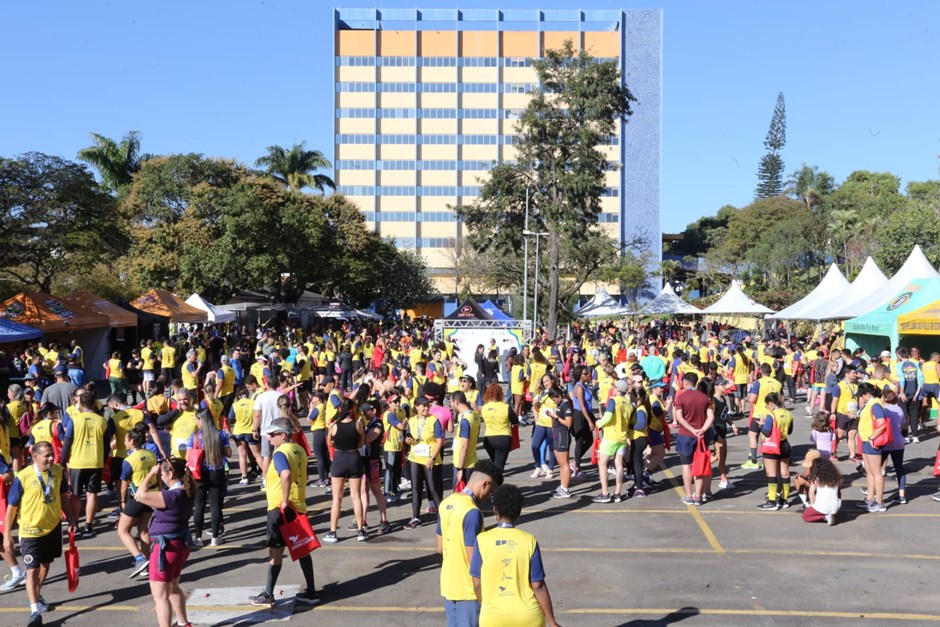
[(116, 162), (810, 185), (296, 168)]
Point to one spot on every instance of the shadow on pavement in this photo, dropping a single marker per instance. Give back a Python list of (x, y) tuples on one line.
[(670, 618), (384, 574)]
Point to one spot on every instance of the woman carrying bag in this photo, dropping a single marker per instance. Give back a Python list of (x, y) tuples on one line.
[(212, 476), (776, 425)]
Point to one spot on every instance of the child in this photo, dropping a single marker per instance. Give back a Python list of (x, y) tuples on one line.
[(822, 435), (824, 496), (802, 480)]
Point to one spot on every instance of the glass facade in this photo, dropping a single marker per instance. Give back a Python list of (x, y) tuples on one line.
[(426, 101)]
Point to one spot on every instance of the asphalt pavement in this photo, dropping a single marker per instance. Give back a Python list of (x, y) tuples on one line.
[(645, 561)]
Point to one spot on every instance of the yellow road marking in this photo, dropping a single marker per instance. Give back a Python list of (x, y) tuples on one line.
[(706, 530), (880, 616)]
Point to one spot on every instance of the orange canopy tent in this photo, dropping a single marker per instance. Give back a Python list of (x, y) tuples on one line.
[(163, 303), (118, 316), (51, 314)]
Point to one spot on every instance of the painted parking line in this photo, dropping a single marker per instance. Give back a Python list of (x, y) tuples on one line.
[(706, 530), (587, 611)]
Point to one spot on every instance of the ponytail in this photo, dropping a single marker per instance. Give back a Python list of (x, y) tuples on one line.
[(181, 472)]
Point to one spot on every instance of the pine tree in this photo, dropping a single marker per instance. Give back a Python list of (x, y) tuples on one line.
[(770, 168)]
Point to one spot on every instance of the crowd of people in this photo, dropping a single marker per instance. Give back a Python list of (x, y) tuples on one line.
[(190, 418)]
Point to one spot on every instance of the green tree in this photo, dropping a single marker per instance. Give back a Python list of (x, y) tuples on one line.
[(297, 167), (901, 231), (770, 168), (703, 234), (54, 220), (810, 185), (116, 162), (574, 109)]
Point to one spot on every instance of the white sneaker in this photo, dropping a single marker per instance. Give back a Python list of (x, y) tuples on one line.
[(546, 470), (197, 542), (536, 473), (724, 485), (11, 582), (611, 472), (548, 474), (915, 440), (215, 542)]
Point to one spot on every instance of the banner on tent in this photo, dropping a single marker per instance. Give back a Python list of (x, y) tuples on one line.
[(919, 325)]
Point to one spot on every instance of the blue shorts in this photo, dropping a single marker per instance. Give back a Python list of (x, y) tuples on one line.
[(868, 449), (685, 447), (462, 613), (930, 390), (247, 438)]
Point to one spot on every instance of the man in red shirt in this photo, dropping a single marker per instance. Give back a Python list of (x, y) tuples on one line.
[(694, 412)]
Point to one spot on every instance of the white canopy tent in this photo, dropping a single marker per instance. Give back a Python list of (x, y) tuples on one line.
[(916, 267), (869, 280), (215, 314), (832, 284), (736, 302), (602, 305), (667, 302)]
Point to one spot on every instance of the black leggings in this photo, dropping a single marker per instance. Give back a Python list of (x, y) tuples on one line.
[(583, 441), (212, 487), (421, 477), (322, 452), (392, 472), (791, 386), (637, 447), (912, 411), (897, 460), (497, 447)]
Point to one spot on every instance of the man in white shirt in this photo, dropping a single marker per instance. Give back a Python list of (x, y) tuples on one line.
[(266, 412)]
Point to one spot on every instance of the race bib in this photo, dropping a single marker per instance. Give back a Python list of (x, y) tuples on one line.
[(421, 450)]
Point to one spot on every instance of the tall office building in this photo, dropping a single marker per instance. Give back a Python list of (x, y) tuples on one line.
[(427, 100)]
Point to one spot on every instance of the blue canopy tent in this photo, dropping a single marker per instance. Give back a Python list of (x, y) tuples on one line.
[(495, 312), (11, 331)]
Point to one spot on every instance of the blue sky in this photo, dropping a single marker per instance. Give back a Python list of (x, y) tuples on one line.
[(228, 78)]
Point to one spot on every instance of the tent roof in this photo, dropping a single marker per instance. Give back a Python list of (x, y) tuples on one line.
[(923, 321), (51, 314), (832, 284), (495, 312), (916, 267), (118, 316), (870, 279), (215, 314), (735, 301), (667, 302), (165, 304), (469, 310), (15, 332), (602, 305), (885, 319)]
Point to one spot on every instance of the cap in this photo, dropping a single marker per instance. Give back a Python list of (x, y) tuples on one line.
[(422, 401), (811, 455), (885, 354), (263, 357), (279, 425), (658, 384), (622, 385), (366, 407), (721, 381), (29, 377), (466, 377), (61, 370)]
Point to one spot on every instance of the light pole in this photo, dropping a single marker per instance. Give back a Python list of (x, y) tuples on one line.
[(525, 262), (535, 306)]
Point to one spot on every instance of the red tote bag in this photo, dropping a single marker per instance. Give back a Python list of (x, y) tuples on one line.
[(194, 457), (298, 535), (936, 465), (771, 443), (701, 460), (72, 563), (300, 439), (514, 442), (595, 448), (3, 505)]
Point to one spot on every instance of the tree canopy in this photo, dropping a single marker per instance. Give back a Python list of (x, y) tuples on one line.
[(559, 174), (770, 168), (296, 167)]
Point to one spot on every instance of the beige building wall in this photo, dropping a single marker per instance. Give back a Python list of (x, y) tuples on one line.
[(467, 44)]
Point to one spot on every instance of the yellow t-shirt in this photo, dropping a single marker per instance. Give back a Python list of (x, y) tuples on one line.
[(168, 357), (244, 410), (508, 598), (297, 461), (88, 443), (124, 421), (115, 371), (496, 418), (36, 517), (456, 583)]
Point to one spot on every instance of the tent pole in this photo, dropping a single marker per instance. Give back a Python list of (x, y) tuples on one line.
[(525, 263)]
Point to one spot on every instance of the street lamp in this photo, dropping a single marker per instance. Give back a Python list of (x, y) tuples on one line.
[(535, 306)]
